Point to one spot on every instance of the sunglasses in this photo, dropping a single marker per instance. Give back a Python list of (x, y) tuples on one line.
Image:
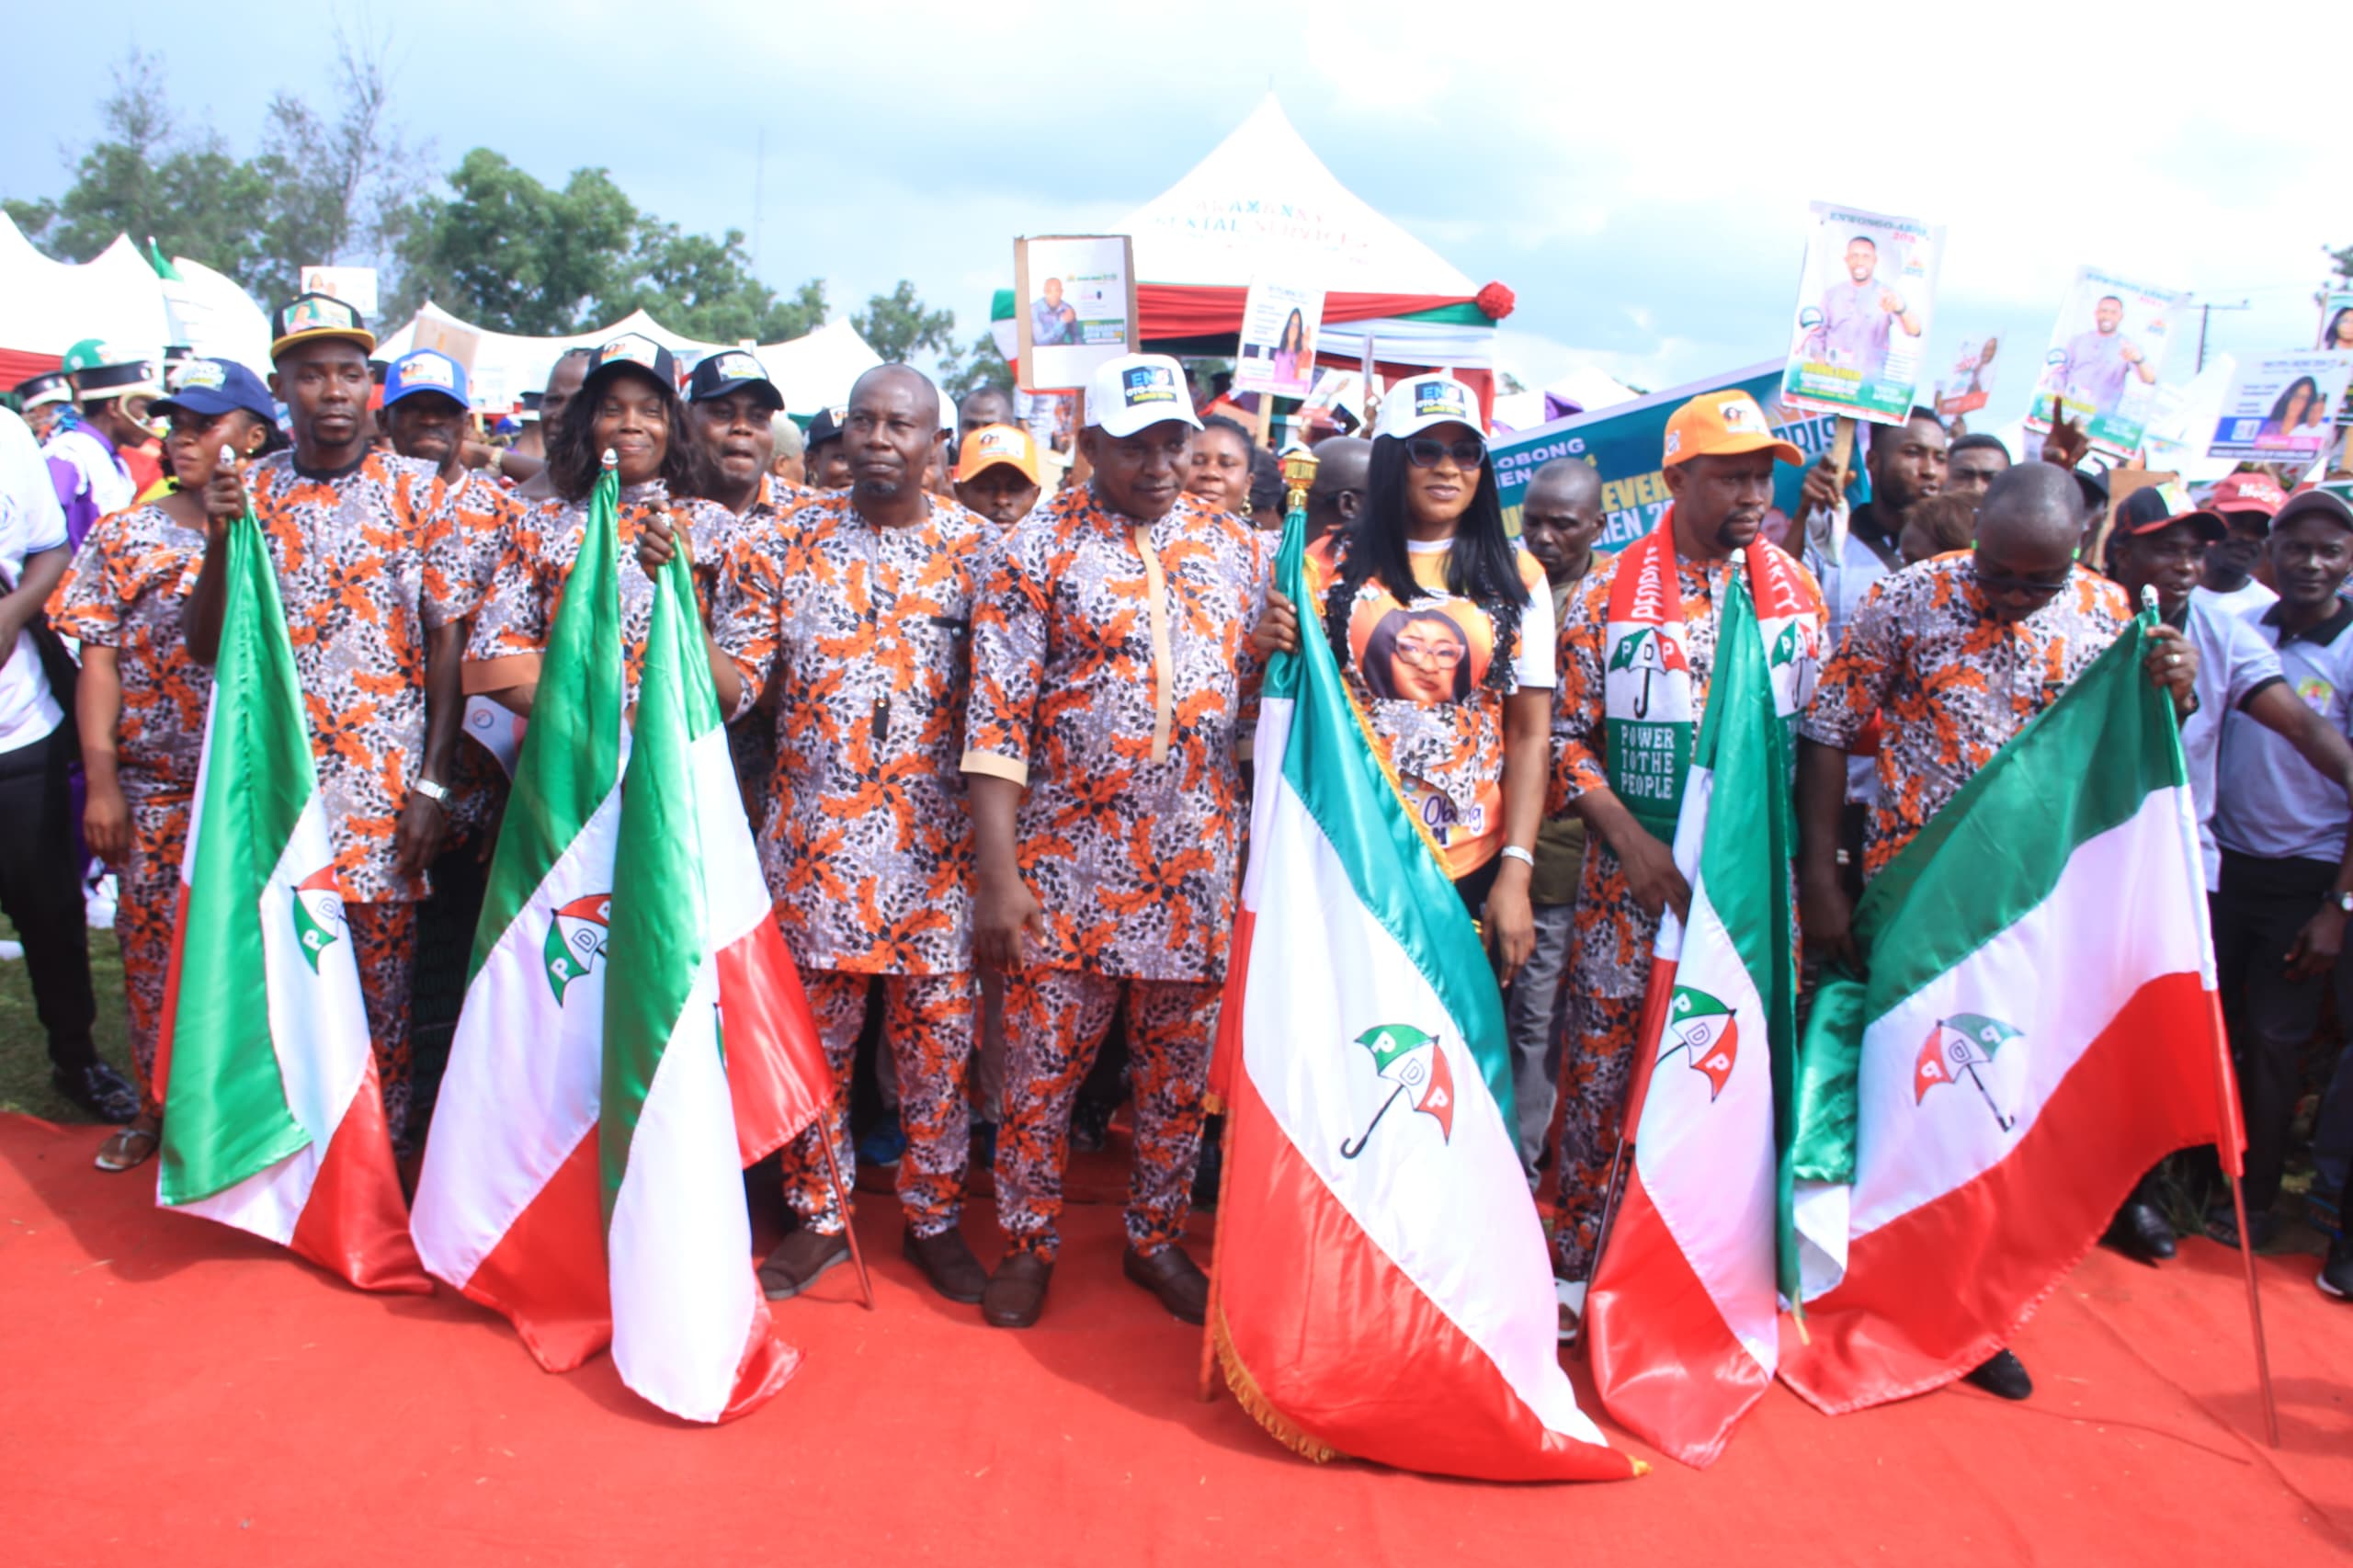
[(1423, 452), (2003, 583)]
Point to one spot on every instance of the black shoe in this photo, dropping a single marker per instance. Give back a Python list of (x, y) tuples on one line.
[(99, 1089), (2003, 1376), (2223, 1225), (798, 1260), (1171, 1275), (2335, 1275), (1209, 1172), (2140, 1231), (947, 1263), (1090, 1126)]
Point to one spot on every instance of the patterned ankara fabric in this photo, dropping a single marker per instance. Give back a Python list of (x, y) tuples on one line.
[(124, 591), (1949, 682), (860, 636), (1110, 665), (1055, 1020), (927, 1029), (147, 909), (383, 943), (364, 556), (1594, 1071)]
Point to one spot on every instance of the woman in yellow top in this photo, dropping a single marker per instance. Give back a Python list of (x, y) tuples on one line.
[(1444, 630)]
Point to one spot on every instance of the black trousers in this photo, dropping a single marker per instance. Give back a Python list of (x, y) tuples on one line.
[(2260, 907), (41, 892)]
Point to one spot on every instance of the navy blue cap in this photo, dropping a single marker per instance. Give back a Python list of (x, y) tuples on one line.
[(213, 387)]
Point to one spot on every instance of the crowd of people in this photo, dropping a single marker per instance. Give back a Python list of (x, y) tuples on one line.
[(991, 719)]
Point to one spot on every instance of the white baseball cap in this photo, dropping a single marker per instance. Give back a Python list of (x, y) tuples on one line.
[(1136, 391), (1415, 404)]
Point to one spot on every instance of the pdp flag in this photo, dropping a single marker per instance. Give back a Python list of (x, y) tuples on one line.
[(273, 1118)]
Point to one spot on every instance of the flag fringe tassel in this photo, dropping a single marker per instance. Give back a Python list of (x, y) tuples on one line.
[(1247, 1395)]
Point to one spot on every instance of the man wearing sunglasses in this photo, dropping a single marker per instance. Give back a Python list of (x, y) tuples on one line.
[(1951, 658)]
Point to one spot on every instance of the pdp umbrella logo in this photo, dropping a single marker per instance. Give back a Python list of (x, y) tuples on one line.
[(1956, 1047), (318, 914), (576, 940), (1410, 1059), (1652, 653), (1706, 1031)]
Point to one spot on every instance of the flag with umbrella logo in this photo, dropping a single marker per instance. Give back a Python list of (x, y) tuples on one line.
[(1956, 1047), (1648, 652), (1410, 1059)]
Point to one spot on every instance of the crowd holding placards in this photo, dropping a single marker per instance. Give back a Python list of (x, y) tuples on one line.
[(990, 732)]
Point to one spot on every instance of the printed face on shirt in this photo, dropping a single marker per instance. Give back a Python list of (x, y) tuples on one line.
[(1421, 655)]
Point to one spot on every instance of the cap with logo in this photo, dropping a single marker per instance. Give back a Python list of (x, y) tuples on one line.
[(1415, 404), (49, 386), (1723, 424), (2310, 503), (317, 318), (993, 444), (2155, 507), (425, 370), (732, 370), (1136, 391), (2247, 492), (101, 369), (631, 350), (827, 426), (209, 388)]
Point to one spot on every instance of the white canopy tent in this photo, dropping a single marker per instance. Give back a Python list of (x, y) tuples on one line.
[(811, 373), (47, 306)]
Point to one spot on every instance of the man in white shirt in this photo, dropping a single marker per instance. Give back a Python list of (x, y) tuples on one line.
[(2246, 503), (40, 881)]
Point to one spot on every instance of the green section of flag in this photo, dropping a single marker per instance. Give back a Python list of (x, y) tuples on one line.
[(226, 1099), (572, 748), (1745, 870), (2083, 765), (162, 263), (658, 940), (1330, 765)]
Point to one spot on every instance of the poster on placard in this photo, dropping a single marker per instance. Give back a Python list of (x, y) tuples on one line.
[(1276, 355), (2336, 337), (1626, 443), (2106, 351), (2277, 407), (1865, 294), (1074, 307), (1970, 383), (354, 286)]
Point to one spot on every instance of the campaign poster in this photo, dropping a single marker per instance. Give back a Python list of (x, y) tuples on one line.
[(1074, 307), (1627, 442), (1970, 384), (2105, 350), (1864, 300), (2336, 337), (2279, 408), (1279, 323), (354, 286)]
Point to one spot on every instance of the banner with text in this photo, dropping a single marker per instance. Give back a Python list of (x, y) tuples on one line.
[(1864, 298), (2276, 409), (2105, 350)]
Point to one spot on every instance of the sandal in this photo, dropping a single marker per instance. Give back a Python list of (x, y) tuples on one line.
[(129, 1147), (1570, 1297)]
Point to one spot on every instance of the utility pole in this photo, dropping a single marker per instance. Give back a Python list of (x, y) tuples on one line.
[(759, 178), (2204, 314)]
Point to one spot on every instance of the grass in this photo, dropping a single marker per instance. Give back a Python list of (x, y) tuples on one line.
[(24, 1048)]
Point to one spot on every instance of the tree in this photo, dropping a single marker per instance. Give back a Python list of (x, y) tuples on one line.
[(897, 326), (704, 288), (981, 366), (507, 251)]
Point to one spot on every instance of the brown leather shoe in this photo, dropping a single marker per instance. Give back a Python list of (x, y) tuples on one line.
[(947, 1263), (1017, 1292), (799, 1259), (1172, 1275)]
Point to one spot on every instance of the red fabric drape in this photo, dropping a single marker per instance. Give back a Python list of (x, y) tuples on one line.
[(16, 365), (1182, 309)]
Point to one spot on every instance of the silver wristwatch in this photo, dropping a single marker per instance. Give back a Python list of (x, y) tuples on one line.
[(431, 791)]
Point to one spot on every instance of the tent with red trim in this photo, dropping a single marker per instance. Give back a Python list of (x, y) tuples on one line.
[(120, 295), (1262, 202)]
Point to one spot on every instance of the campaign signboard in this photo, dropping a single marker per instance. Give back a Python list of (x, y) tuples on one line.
[(1864, 298), (2106, 351), (1279, 324), (2277, 407), (1627, 442), (1074, 307), (2336, 337), (1971, 382)]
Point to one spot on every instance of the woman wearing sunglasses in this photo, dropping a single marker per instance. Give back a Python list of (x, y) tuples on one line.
[(1444, 630)]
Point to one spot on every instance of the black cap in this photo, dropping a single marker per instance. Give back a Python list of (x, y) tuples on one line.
[(309, 317), (827, 426), (729, 371), (49, 386), (2149, 508), (2314, 503), (2093, 482), (633, 349)]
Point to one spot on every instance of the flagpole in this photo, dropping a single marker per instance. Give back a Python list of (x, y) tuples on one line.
[(824, 1131), (1206, 1386), (2227, 1103)]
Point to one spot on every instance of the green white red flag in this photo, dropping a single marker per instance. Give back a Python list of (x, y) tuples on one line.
[(1382, 1284), (2038, 1027), (1684, 1312), (273, 1117)]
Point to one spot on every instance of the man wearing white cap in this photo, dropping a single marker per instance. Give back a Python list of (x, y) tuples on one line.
[(1109, 668)]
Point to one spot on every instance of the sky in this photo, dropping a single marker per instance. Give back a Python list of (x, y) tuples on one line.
[(1639, 177)]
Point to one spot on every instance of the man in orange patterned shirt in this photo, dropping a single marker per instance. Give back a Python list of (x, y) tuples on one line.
[(856, 624), (365, 551), (1109, 668)]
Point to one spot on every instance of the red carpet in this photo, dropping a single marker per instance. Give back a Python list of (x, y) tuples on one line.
[(173, 1387)]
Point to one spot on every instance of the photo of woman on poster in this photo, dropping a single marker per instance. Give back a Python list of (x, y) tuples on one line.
[(1291, 350), (2339, 332), (2296, 407)]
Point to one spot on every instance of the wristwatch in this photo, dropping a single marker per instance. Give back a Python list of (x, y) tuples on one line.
[(431, 791), (2344, 903)]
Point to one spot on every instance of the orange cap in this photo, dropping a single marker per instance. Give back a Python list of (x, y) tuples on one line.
[(1723, 424), (993, 444)]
